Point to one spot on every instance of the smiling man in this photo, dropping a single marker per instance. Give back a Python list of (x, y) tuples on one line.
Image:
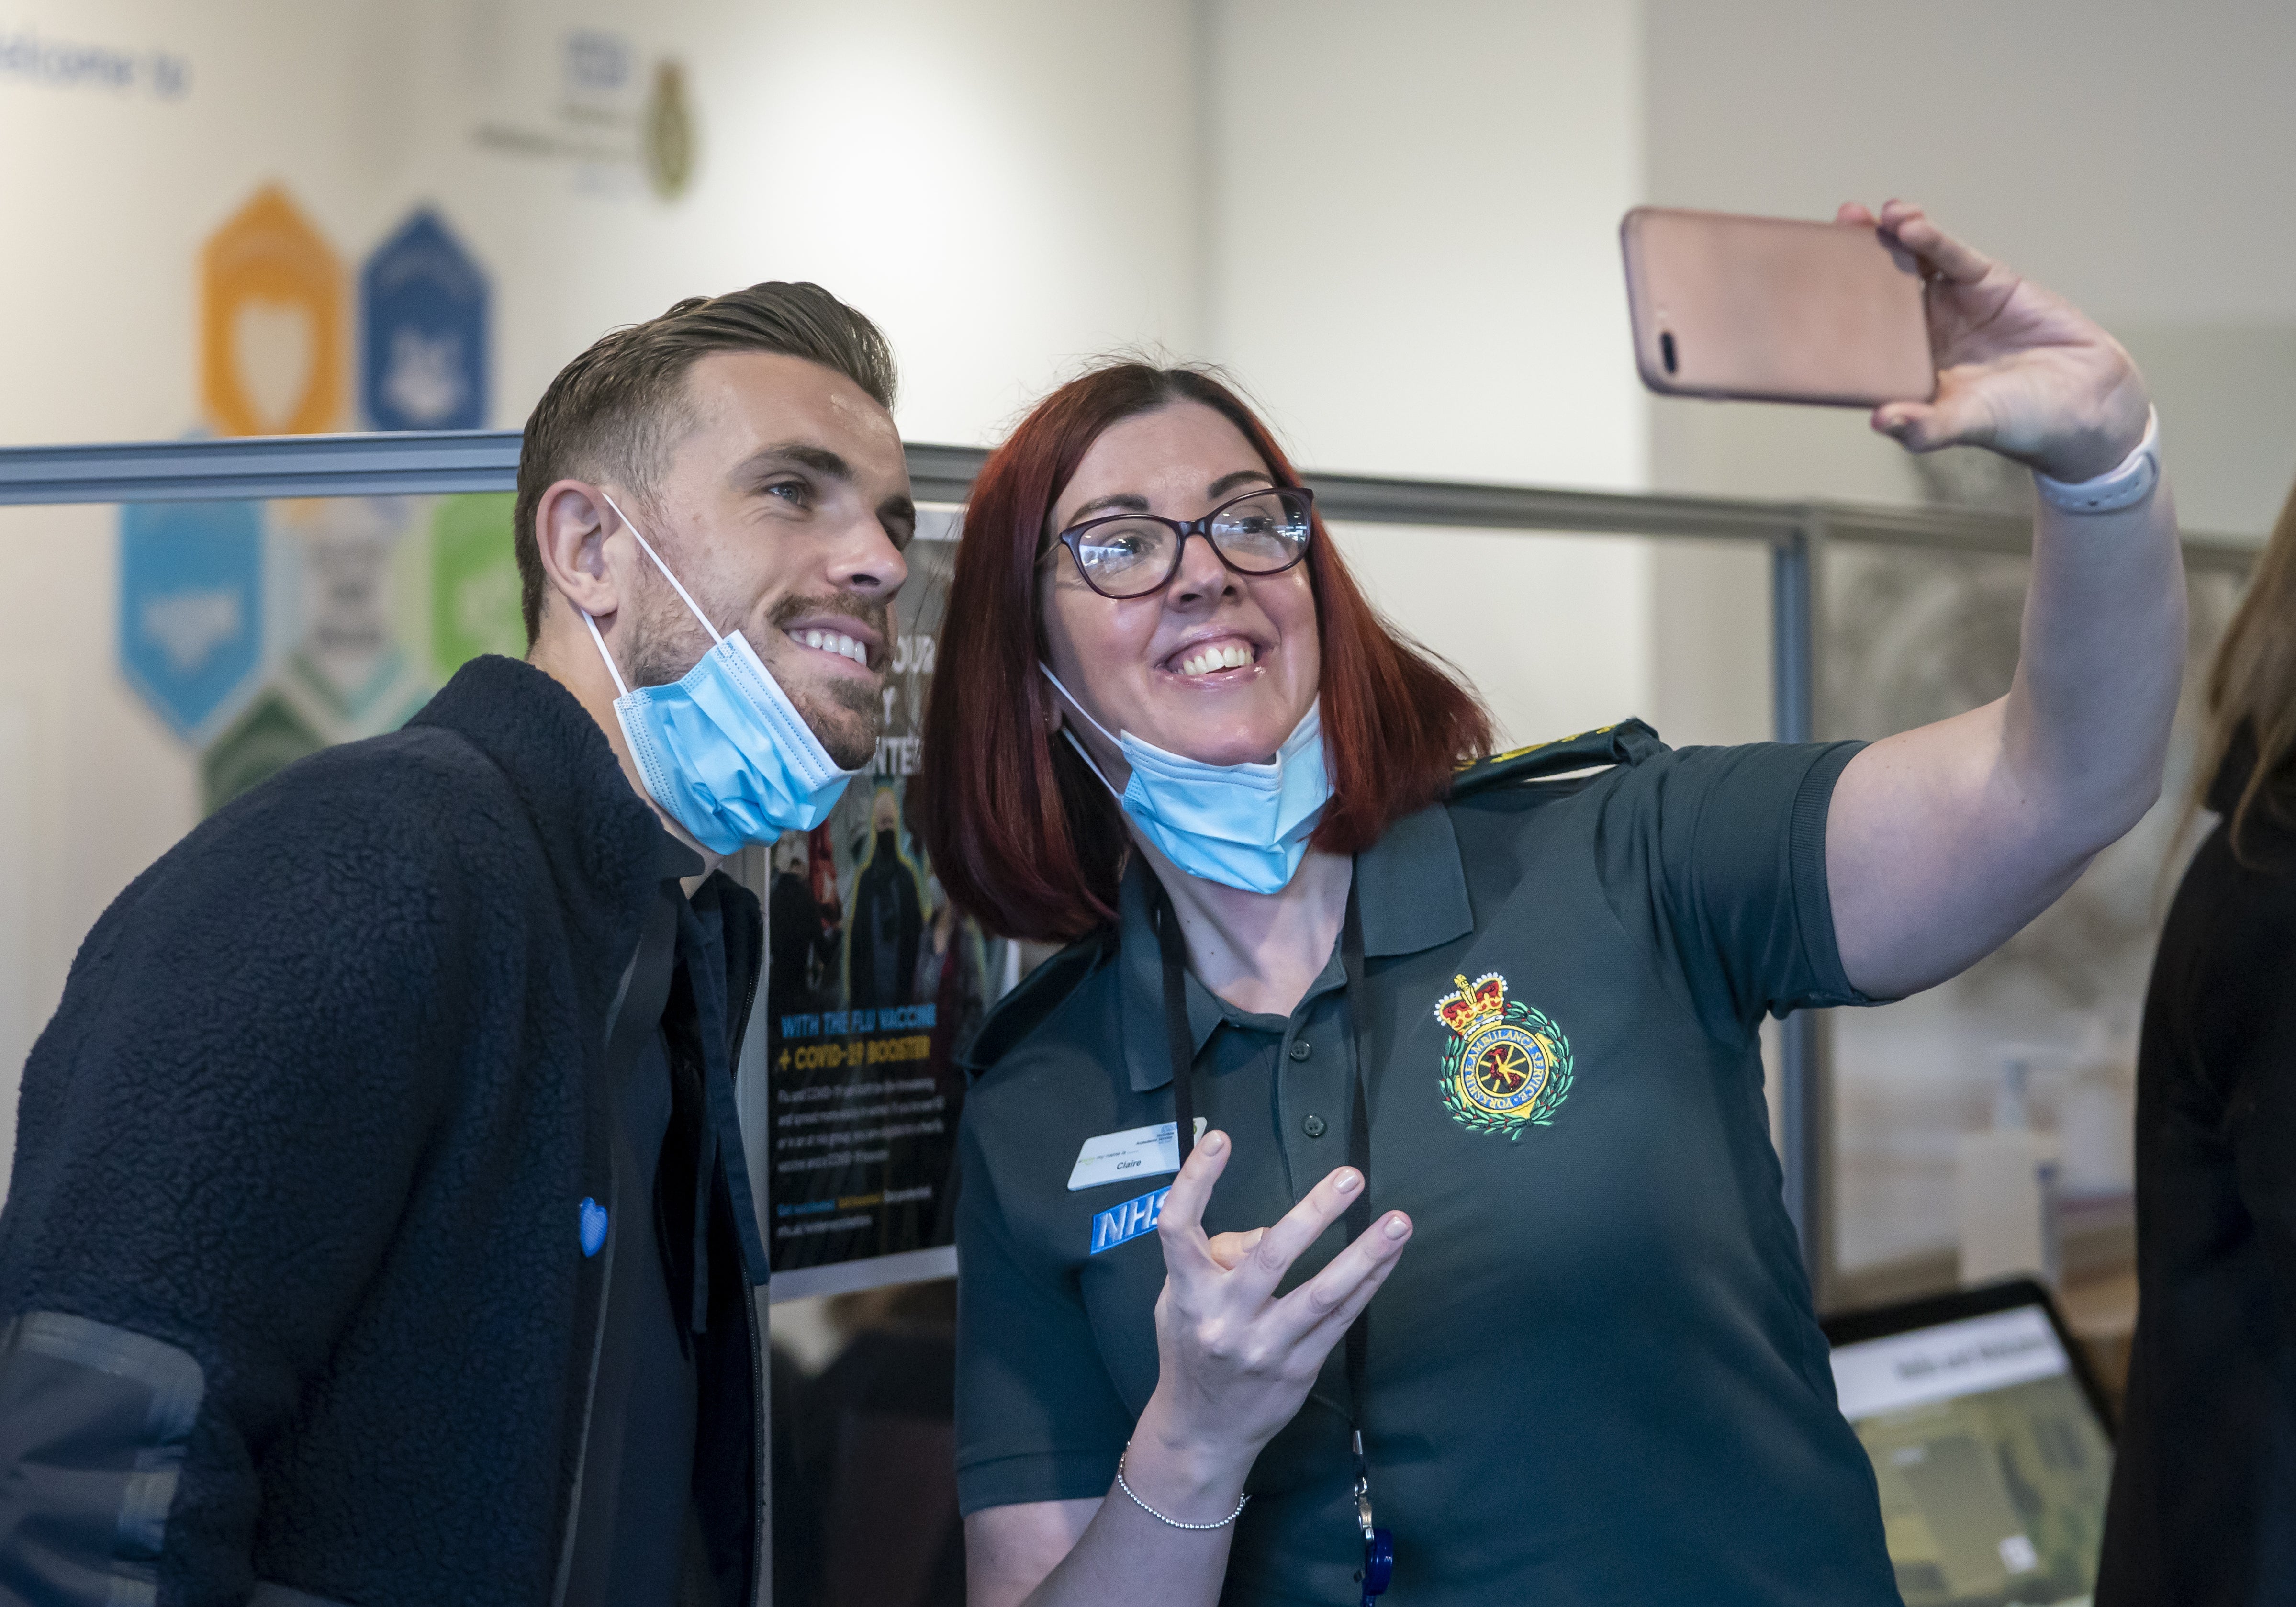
[(378, 1229)]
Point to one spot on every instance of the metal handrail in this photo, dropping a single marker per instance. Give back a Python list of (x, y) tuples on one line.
[(254, 468), (257, 468)]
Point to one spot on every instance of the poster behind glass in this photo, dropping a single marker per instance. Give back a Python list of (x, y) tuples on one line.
[(873, 984)]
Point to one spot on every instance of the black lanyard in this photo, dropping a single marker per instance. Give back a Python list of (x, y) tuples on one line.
[(1378, 1543)]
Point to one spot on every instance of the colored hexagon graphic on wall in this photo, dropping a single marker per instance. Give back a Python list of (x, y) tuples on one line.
[(423, 306), (348, 660), (191, 607), (270, 736), (474, 587), (271, 323)]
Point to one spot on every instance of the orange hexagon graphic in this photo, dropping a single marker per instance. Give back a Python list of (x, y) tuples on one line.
[(271, 358)]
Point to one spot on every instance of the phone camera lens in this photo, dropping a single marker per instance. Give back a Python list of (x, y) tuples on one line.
[(1666, 348)]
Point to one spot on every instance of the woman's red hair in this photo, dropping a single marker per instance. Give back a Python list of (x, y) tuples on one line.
[(1023, 836)]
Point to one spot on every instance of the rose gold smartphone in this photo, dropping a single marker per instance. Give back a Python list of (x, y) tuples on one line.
[(1774, 309)]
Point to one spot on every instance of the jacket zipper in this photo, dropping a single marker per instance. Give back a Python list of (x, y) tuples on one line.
[(761, 1439), (761, 1447), (571, 1529)]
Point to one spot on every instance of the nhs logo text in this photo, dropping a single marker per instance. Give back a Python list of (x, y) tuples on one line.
[(1112, 1226)]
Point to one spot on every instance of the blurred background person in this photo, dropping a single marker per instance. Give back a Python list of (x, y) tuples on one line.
[(801, 929), (952, 972), (2201, 1488), (888, 925)]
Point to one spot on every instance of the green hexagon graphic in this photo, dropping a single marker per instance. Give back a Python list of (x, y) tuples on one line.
[(473, 582), (266, 739)]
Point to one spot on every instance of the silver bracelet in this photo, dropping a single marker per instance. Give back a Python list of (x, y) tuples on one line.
[(1241, 1501)]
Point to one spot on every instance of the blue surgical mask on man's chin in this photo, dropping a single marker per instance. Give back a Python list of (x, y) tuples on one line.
[(722, 749), (1245, 827)]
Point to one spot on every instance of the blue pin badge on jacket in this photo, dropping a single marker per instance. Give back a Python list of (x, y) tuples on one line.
[(423, 304), (593, 1227)]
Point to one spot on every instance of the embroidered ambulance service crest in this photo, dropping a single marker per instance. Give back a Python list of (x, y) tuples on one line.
[(1507, 1065)]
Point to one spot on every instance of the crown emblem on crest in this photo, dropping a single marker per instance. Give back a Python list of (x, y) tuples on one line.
[(1474, 1004)]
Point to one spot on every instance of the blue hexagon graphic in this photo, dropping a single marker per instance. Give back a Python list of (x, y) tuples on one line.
[(191, 607), (424, 315)]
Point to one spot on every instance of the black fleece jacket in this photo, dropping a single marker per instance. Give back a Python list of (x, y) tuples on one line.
[(291, 1263)]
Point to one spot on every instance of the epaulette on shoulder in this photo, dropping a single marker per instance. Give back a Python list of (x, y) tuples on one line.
[(1035, 996), (1627, 742)]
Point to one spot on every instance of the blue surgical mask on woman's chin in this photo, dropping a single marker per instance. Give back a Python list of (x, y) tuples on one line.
[(1245, 827), (723, 748)]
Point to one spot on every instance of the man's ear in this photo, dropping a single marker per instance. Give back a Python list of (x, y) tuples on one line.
[(571, 523)]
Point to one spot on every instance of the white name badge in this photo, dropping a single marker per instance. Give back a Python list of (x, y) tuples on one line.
[(1135, 1152)]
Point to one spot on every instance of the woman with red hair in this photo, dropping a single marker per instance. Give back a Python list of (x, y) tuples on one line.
[(1500, 1013)]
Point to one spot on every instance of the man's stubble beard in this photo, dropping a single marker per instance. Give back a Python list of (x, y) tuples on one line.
[(846, 715)]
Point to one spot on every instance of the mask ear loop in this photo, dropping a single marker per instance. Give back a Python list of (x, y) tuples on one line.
[(715, 639), (1096, 769), (1072, 736), (621, 691)]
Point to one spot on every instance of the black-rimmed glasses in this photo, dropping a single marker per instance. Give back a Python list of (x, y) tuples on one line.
[(1132, 554)]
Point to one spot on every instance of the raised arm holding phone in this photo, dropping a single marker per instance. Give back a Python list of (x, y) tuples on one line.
[(1306, 907), (1944, 839)]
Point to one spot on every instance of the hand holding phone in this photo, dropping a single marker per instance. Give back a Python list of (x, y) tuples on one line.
[(2019, 369), (1947, 346)]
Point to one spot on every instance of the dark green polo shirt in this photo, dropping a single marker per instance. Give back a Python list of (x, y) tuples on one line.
[(1595, 1377)]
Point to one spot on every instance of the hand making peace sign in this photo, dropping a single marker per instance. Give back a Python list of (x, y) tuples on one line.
[(1235, 1359)]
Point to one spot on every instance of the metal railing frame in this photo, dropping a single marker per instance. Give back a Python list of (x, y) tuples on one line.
[(1796, 533)]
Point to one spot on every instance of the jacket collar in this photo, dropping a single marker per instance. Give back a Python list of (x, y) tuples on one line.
[(1411, 887), (606, 848)]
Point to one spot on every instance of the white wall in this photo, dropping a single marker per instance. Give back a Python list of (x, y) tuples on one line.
[(943, 167), (1413, 253), (926, 162), (2119, 153), (1411, 261), (2130, 155)]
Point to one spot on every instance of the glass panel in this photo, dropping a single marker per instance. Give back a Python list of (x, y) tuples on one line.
[(1555, 630), (1711, 642), (1912, 634), (179, 654), (182, 652)]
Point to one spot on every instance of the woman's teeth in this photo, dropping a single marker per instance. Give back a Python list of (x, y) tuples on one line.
[(1233, 656), (836, 642)]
